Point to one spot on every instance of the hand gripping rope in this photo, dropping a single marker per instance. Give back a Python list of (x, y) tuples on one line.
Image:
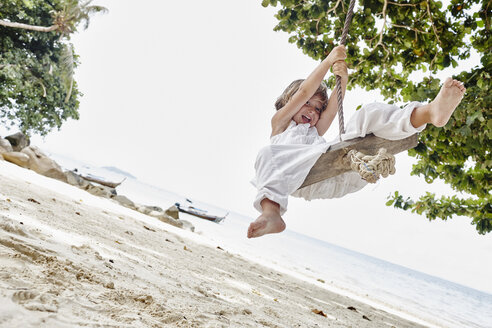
[(369, 167)]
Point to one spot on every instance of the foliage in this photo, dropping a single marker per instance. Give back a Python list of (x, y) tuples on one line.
[(390, 41), (37, 92)]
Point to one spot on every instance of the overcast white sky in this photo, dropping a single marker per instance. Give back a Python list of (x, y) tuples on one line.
[(180, 94)]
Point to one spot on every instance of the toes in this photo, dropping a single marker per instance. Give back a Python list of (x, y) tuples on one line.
[(458, 84), (254, 227), (252, 232), (449, 82)]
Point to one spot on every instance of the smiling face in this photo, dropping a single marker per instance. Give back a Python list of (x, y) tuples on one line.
[(309, 112)]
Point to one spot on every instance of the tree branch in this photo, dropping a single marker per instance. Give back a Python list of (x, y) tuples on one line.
[(432, 62), (487, 21), (403, 4), (380, 42), (29, 27), (432, 22), (334, 8), (410, 28)]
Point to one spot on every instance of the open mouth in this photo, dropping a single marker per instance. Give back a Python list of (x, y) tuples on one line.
[(306, 119)]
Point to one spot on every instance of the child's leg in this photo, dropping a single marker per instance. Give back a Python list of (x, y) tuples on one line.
[(383, 120), (440, 109), (269, 221), (393, 123)]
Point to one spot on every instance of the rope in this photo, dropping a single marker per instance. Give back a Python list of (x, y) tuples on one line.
[(371, 167), (348, 19)]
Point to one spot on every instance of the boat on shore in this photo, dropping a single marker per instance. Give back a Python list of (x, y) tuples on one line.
[(200, 213), (101, 181)]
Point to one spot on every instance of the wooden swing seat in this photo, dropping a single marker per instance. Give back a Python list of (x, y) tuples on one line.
[(331, 163)]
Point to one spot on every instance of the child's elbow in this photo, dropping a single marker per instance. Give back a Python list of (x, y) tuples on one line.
[(302, 92), (274, 121), (278, 122)]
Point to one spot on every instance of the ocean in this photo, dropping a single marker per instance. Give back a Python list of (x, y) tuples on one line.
[(415, 295)]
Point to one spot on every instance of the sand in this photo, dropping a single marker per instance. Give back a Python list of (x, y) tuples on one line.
[(70, 259)]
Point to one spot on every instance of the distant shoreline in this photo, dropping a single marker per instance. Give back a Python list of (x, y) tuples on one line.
[(119, 171)]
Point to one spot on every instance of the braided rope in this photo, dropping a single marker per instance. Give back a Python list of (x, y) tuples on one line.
[(371, 167), (348, 19)]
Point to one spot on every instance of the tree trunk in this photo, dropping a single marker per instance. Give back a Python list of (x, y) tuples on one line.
[(29, 27)]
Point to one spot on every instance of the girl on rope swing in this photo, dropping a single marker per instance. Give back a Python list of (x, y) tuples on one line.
[(304, 114)]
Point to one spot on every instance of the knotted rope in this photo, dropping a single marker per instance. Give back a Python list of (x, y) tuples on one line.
[(348, 19), (371, 167)]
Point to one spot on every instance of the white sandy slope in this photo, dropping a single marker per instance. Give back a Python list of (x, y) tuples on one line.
[(70, 259)]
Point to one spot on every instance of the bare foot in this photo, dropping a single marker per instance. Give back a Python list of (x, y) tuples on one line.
[(445, 103), (265, 224)]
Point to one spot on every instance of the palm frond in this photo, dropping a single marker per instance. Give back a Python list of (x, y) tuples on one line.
[(66, 68), (36, 80), (75, 12), (85, 10)]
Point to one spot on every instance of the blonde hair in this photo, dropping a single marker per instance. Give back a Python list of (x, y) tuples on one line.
[(292, 89)]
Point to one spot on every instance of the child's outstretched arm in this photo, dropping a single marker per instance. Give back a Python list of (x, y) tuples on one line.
[(282, 118), (327, 117)]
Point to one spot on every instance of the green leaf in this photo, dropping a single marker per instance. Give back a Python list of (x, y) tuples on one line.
[(28, 3), (473, 117)]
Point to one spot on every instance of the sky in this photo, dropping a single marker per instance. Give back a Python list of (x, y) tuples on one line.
[(181, 93)]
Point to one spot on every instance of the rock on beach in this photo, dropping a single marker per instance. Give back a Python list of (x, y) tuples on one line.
[(16, 149)]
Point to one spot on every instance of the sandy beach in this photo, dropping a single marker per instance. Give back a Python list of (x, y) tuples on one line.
[(71, 259)]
